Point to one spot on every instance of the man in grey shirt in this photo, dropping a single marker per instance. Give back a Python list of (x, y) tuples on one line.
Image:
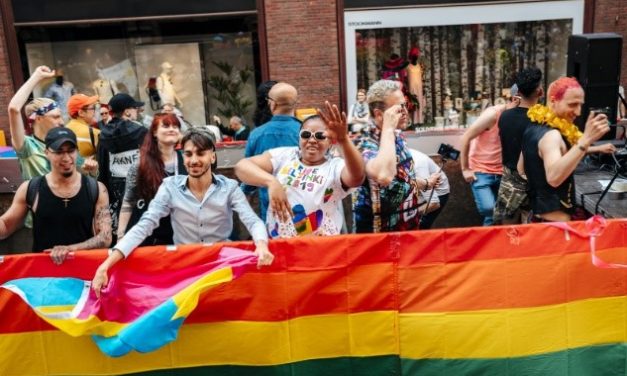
[(200, 206)]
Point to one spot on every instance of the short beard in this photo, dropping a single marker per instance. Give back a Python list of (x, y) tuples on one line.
[(208, 169)]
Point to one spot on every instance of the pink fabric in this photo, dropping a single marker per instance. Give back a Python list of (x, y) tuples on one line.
[(594, 228), (130, 294)]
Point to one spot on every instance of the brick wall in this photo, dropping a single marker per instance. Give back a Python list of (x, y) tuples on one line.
[(611, 16), (303, 48), (6, 83)]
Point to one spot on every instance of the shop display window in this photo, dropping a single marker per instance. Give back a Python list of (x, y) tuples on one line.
[(156, 62), (451, 72)]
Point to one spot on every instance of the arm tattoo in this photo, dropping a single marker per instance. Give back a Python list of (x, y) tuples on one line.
[(102, 237)]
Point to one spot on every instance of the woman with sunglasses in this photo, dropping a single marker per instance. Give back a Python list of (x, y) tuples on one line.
[(306, 184), (157, 159)]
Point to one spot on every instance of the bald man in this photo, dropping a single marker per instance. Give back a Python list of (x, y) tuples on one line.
[(281, 130)]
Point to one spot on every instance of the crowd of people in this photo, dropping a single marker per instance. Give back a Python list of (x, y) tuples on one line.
[(520, 157), (129, 185)]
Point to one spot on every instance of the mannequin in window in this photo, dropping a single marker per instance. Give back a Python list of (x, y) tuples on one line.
[(414, 78), (60, 91), (166, 87), (104, 88)]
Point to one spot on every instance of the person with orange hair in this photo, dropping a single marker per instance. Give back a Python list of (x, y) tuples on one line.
[(553, 147)]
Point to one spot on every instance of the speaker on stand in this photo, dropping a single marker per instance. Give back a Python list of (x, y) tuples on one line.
[(595, 61)]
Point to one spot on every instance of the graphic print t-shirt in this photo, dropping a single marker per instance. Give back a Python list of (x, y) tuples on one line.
[(315, 194)]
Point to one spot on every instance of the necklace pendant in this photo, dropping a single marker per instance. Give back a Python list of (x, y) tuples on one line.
[(65, 201)]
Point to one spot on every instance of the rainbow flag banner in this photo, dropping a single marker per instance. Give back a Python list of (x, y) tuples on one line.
[(136, 311), (511, 300)]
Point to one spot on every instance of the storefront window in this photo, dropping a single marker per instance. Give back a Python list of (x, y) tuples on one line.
[(450, 72), (471, 62), (156, 62)]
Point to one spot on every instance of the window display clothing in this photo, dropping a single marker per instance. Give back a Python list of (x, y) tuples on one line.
[(281, 130), (61, 94), (391, 208), (315, 194), (118, 149), (544, 198), (209, 220), (414, 79), (166, 89), (86, 135), (104, 89)]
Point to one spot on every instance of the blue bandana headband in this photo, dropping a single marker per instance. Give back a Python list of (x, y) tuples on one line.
[(41, 111)]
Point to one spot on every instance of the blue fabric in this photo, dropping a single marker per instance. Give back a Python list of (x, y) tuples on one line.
[(281, 130), (485, 190)]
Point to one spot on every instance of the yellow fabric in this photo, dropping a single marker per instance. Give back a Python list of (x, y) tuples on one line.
[(232, 342), (513, 332), (85, 146)]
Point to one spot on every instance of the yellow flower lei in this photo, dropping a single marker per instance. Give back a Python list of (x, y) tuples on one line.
[(543, 115)]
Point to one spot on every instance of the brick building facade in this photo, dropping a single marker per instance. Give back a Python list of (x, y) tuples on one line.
[(302, 43)]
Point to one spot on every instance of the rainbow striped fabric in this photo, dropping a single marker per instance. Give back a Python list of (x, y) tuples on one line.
[(522, 300)]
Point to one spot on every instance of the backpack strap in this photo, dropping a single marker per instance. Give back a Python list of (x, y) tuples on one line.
[(32, 191), (92, 137), (92, 189)]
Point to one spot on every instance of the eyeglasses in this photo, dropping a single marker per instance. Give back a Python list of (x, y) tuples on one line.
[(306, 135), (103, 113), (270, 99)]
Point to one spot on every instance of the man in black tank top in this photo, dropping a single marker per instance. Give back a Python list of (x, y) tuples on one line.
[(512, 195), (67, 216), (551, 155)]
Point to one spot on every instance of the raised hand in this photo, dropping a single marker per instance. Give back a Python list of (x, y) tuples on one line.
[(596, 126), (337, 126), (42, 72)]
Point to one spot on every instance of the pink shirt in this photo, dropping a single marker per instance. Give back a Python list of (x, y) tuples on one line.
[(485, 151)]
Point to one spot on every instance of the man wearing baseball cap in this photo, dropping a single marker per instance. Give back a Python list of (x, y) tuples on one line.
[(118, 149), (82, 110), (70, 210)]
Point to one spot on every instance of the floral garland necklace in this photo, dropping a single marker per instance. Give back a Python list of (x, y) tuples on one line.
[(543, 115)]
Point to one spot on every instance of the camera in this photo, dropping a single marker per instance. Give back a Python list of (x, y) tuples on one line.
[(602, 110), (448, 152)]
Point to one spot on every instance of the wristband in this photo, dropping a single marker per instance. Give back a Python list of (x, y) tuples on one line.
[(584, 149)]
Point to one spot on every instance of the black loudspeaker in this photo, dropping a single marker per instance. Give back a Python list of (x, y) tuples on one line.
[(595, 61)]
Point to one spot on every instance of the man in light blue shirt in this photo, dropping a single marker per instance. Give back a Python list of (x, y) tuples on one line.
[(281, 130), (200, 206)]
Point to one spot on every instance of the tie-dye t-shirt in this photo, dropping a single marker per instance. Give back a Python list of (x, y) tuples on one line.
[(315, 194)]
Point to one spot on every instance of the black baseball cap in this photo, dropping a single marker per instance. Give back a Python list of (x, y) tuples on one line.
[(120, 102), (58, 136)]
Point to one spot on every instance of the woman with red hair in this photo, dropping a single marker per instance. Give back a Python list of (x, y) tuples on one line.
[(157, 159)]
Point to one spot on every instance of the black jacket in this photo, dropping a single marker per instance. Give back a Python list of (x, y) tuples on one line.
[(118, 149)]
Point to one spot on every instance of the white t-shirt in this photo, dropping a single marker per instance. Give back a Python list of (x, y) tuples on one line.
[(315, 194), (424, 166)]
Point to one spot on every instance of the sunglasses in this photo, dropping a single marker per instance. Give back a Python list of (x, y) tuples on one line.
[(306, 135)]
